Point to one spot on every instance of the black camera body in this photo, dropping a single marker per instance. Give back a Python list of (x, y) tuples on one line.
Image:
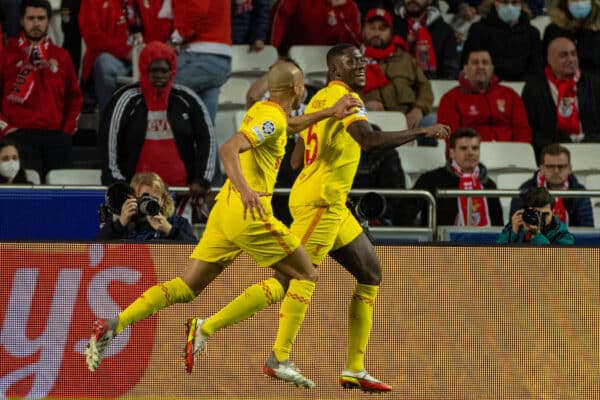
[(531, 216), (116, 195)]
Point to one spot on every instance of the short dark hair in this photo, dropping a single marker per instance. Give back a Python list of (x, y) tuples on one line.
[(45, 4), (337, 51), (462, 133), (536, 197), (465, 55), (555, 149)]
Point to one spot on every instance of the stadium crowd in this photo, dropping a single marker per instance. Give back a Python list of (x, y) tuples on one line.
[(152, 71)]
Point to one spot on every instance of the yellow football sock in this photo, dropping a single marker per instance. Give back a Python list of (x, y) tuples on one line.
[(153, 300), (251, 301), (291, 315), (360, 319)]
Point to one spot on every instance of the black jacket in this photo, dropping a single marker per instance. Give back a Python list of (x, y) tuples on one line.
[(444, 46), (123, 131), (142, 231), (447, 208), (541, 111), (516, 51)]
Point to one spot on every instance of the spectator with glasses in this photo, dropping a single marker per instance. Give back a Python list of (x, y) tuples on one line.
[(555, 174)]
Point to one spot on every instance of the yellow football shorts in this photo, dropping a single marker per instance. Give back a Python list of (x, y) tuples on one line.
[(323, 229), (227, 234)]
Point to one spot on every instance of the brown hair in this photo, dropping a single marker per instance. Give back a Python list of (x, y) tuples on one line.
[(555, 149), (560, 15), (462, 133)]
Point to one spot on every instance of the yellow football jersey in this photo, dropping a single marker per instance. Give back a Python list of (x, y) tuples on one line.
[(265, 127), (331, 155)]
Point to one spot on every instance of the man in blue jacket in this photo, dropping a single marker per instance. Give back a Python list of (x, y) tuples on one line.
[(555, 174), (535, 223)]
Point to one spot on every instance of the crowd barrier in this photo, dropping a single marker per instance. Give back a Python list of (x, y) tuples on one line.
[(450, 322)]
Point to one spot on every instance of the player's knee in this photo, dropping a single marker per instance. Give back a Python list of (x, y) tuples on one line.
[(370, 275)]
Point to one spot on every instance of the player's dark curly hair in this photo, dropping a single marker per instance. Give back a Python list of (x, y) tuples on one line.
[(337, 51)]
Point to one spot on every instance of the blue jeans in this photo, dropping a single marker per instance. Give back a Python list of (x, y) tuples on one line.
[(204, 74), (107, 68)]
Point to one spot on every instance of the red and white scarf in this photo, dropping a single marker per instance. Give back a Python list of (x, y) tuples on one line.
[(567, 114), (421, 44), (375, 78), (34, 58), (479, 213), (559, 208)]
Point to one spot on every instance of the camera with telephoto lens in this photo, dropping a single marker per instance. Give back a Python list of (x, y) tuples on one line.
[(147, 205), (531, 216), (370, 206)]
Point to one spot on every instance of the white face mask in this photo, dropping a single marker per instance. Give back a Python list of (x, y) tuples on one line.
[(9, 169)]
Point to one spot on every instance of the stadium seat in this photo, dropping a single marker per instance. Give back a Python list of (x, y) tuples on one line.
[(516, 86), (510, 180), (584, 157), (32, 176), (388, 120), (233, 93), (313, 61), (90, 177), (500, 157), (419, 159), (592, 182), (245, 63), (541, 22), (439, 88)]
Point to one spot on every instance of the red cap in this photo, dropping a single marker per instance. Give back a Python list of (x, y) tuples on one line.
[(379, 13)]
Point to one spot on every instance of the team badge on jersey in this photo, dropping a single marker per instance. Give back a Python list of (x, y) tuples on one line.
[(501, 103), (268, 128)]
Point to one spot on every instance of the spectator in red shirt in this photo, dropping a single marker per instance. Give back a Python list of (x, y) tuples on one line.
[(318, 22), (496, 112), (110, 29), (41, 99)]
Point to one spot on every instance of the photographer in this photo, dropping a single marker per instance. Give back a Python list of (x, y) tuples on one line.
[(536, 224), (145, 212)]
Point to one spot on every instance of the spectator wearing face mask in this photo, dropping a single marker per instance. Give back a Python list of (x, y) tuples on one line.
[(506, 33), (11, 170), (578, 20)]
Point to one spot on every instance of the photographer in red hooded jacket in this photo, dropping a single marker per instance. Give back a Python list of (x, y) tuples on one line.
[(41, 98)]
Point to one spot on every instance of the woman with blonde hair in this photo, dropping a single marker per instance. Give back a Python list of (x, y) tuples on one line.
[(148, 214)]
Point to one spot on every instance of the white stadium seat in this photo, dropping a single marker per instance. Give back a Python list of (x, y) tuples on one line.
[(500, 157), (388, 120), (584, 157), (32, 176), (233, 93), (312, 60), (516, 86), (245, 63), (419, 159), (90, 177), (439, 88)]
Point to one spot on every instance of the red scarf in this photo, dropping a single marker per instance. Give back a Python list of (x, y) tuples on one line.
[(479, 215), (34, 58), (567, 115), (559, 208), (421, 44), (375, 78)]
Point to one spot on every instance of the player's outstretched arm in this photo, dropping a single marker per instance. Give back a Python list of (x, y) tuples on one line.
[(230, 157), (345, 106), (369, 139)]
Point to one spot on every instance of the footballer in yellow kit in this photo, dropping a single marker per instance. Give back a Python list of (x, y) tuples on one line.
[(318, 197), (227, 233)]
